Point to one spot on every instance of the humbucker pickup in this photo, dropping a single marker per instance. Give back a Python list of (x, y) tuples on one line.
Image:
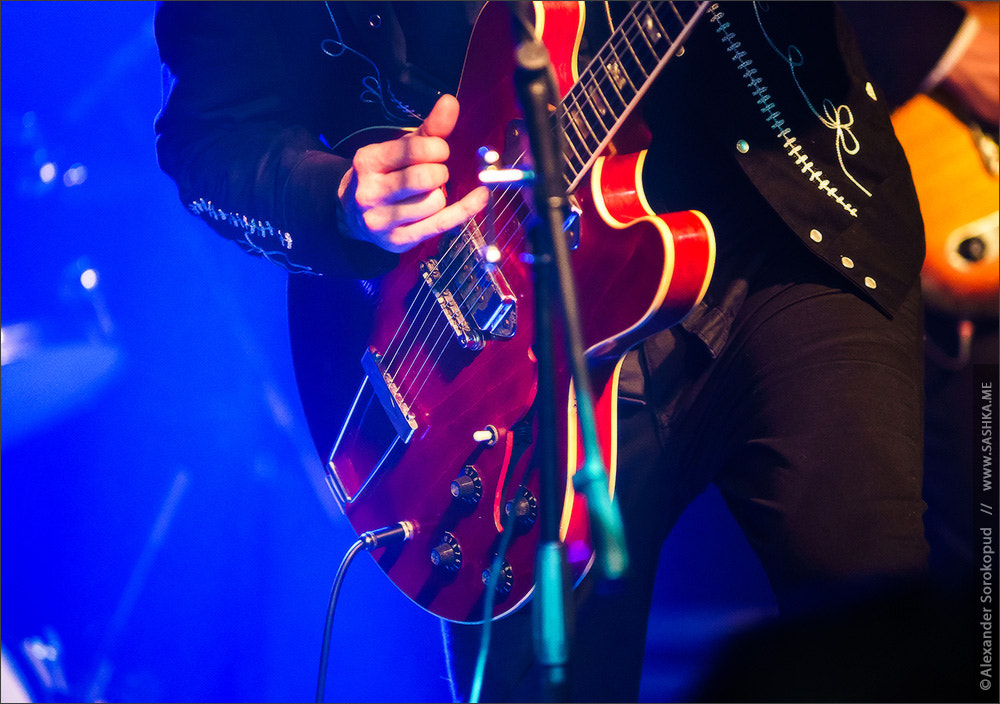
[(472, 292)]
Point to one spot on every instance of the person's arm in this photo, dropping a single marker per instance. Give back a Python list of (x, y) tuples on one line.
[(902, 42), (970, 69), (916, 47), (238, 134)]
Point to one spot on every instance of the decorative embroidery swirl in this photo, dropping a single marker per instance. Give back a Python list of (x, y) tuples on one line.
[(838, 118), (373, 92), (250, 227), (772, 116)]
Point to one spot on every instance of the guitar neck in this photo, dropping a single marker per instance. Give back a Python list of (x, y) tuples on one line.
[(618, 77)]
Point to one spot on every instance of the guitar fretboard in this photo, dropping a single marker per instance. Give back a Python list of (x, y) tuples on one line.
[(617, 78)]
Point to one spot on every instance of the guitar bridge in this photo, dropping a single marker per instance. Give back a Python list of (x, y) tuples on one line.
[(472, 292)]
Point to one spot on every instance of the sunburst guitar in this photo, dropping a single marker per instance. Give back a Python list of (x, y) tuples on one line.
[(955, 163)]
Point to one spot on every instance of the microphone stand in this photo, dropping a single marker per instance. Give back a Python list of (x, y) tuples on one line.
[(552, 614)]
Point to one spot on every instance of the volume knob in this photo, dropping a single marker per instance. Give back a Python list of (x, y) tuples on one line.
[(524, 507), (448, 553), (467, 486)]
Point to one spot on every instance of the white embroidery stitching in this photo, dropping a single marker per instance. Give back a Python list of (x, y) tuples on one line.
[(772, 116), (835, 117), (373, 91), (251, 227)]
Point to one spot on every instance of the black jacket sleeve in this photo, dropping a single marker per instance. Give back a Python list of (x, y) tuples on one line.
[(903, 41), (238, 132)]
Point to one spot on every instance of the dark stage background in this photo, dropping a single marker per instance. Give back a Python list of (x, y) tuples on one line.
[(166, 532)]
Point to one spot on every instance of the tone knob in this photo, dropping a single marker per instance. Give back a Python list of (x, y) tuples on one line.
[(505, 580), (448, 554), (524, 507), (467, 486)]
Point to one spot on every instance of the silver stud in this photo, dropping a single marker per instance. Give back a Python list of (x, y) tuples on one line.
[(870, 282), (847, 262), (742, 146), (815, 235)]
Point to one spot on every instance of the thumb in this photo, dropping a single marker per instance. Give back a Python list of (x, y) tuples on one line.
[(442, 118)]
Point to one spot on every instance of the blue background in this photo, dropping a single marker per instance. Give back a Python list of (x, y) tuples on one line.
[(166, 531)]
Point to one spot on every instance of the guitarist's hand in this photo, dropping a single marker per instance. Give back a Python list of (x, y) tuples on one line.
[(393, 195)]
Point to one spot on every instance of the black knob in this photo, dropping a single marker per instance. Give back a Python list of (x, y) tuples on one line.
[(443, 555), (467, 486), (524, 507), (448, 553), (505, 580)]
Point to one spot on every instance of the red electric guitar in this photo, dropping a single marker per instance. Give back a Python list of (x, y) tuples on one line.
[(419, 387)]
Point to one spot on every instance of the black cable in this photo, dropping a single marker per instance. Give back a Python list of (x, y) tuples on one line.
[(479, 672), (324, 655), (396, 533)]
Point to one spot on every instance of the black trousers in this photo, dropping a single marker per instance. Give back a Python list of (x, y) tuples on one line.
[(808, 420)]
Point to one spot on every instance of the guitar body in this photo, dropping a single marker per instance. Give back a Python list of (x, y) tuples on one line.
[(423, 415)]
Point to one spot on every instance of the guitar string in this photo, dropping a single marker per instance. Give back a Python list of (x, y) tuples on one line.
[(577, 94), (428, 304), (518, 232), (434, 316), (418, 301), (431, 313), (432, 355), (588, 78), (631, 28), (506, 246), (427, 294), (635, 30)]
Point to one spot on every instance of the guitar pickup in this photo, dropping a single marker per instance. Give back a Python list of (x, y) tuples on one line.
[(473, 293)]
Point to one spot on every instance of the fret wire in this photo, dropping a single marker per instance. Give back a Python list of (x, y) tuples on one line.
[(663, 32), (623, 29), (628, 27), (677, 14), (618, 61), (636, 56), (613, 83), (575, 168), (570, 141), (589, 94), (649, 47), (597, 73), (581, 123)]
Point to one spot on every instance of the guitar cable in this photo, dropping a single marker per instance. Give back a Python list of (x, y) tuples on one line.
[(368, 541), (491, 585)]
